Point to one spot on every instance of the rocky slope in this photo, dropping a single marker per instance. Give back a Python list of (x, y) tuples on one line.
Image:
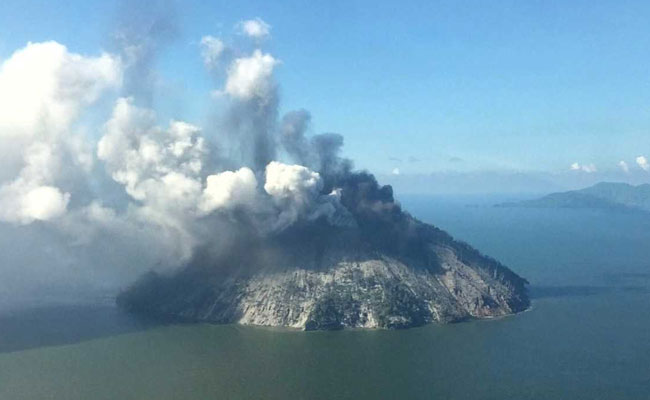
[(336, 280), (376, 267)]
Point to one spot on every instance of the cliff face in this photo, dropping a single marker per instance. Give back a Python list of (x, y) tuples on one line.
[(336, 280)]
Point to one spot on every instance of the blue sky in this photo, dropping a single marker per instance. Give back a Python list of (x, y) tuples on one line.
[(495, 86)]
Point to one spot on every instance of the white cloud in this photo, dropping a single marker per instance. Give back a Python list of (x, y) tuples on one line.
[(643, 163), (43, 89), (229, 189), (255, 28), (395, 171), (163, 170), (24, 203), (44, 202), (159, 167), (624, 166), (251, 77), (293, 182), (294, 189), (588, 168), (212, 50)]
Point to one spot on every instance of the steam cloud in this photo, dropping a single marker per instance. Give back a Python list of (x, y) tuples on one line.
[(99, 205)]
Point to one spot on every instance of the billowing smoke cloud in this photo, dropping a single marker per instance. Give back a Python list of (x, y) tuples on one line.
[(319, 152), (144, 29), (229, 189), (294, 128), (150, 195), (43, 89), (297, 192), (642, 162)]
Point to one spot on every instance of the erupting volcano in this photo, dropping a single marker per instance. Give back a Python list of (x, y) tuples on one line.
[(291, 235), (252, 218)]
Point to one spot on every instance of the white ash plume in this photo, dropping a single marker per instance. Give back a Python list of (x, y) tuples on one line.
[(160, 195), (43, 90)]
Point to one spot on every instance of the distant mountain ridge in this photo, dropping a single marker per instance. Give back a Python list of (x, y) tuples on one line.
[(603, 195)]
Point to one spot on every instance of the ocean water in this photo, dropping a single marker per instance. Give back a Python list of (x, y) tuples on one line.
[(587, 335)]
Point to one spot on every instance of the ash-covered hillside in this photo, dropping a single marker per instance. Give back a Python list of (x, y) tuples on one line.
[(379, 267)]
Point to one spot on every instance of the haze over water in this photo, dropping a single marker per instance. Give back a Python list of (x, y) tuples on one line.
[(586, 336)]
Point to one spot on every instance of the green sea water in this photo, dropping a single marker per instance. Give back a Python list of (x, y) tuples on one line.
[(587, 335)]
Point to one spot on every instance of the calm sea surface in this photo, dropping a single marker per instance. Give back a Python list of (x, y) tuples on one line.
[(586, 337)]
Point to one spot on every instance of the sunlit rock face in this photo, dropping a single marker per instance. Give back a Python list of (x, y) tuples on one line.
[(382, 269)]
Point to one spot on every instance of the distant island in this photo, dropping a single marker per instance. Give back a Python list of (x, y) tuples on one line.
[(603, 195)]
